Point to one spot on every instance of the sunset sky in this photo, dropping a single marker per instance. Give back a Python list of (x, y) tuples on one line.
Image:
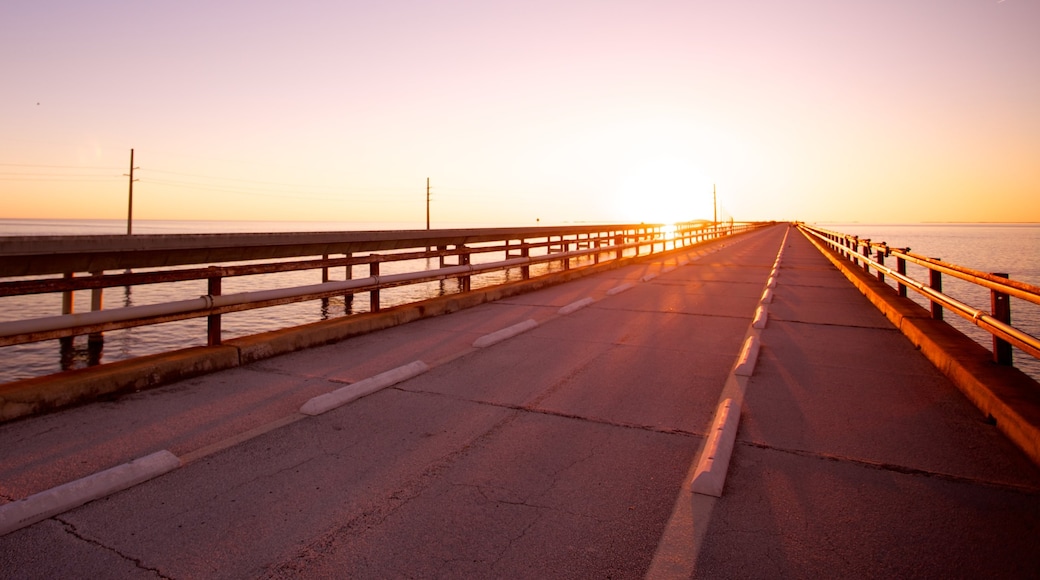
[(595, 111)]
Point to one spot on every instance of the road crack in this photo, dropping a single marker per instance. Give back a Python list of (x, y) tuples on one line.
[(71, 529), (896, 468)]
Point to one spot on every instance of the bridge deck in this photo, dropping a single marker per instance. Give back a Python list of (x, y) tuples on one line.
[(561, 452)]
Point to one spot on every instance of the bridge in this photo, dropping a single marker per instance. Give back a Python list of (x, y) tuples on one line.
[(727, 408)]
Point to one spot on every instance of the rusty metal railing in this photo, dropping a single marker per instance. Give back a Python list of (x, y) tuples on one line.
[(871, 255), (54, 262)]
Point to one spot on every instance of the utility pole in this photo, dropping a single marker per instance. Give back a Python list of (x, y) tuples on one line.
[(714, 207), (427, 203), (130, 205)]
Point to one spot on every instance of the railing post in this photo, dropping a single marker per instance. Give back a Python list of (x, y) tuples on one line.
[(901, 268), (935, 283), (68, 300), (880, 258), (525, 270), (96, 303), (1001, 308), (866, 255), (373, 295), (464, 281), (325, 268), (348, 298), (68, 306), (213, 320)]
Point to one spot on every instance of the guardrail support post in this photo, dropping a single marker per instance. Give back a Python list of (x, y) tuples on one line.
[(213, 320), (373, 295), (325, 269), (865, 254), (1001, 305), (901, 268), (96, 303), (880, 258), (935, 283), (68, 301), (348, 299), (464, 281), (525, 270)]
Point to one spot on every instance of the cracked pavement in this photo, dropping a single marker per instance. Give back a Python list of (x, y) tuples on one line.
[(557, 453)]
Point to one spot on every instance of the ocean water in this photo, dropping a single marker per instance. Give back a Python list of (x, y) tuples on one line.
[(1012, 249)]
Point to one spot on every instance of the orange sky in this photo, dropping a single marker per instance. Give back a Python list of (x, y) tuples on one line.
[(882, 111)]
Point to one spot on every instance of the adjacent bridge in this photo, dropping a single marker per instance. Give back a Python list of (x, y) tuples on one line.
[(730, 406)]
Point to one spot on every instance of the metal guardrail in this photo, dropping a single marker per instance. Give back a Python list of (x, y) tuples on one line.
[(522, 248), (871, 255)]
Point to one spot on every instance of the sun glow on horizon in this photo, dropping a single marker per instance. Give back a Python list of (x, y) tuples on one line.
[(663, 190)]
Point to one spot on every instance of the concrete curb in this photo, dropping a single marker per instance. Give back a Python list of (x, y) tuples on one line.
[(1005, 394), (56, 500), (575, 306), (620, 288), (342, 396), (711, 471), (761, 316), (748, 356), (44, 394), (504, 334)]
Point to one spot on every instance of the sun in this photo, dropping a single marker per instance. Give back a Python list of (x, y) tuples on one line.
[(663, 190)]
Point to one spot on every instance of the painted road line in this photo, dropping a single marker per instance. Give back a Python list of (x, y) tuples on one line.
[(340, 397), (575, 306), (621, 288), (710, 476), (648, 277), (748, 356), (507, 332), (761, 315), (56, 500)]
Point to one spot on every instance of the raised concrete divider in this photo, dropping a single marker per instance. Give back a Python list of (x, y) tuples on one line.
[(44, 394), (504, 334), (575, 306), (620, 288), (342, 396), (714, 462), (56, 500)]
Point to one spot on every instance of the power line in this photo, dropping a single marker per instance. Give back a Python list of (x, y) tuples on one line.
[(13, 174), (59, 166), (78, 179), (331, 196)]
